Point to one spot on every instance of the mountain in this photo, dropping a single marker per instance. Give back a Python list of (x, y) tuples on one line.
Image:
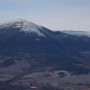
[(35, 57), (77, 33), (23, 35)]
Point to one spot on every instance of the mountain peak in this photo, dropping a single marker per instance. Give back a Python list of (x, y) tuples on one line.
[(15, 21), (23, 25)]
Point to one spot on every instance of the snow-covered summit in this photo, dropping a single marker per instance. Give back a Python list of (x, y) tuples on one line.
[(24, 25)]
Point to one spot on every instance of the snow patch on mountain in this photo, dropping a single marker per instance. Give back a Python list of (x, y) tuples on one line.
[(77, 33), (24, 25)]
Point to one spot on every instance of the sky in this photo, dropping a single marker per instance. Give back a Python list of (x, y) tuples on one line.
[(53, 14)]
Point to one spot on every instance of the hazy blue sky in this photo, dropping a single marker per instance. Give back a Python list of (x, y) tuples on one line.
[(54, 14)]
